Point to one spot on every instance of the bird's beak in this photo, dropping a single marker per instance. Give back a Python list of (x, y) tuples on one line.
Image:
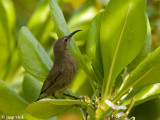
[(70, 35)]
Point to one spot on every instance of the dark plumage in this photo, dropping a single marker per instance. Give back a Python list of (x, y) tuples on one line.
[(63, 71)]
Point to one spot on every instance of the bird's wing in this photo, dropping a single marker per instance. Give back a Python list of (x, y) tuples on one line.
[(53, 75)]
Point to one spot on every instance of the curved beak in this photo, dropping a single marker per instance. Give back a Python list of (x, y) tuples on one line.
[(70, 35)]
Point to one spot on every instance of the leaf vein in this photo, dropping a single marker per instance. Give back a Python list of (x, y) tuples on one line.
[(116, 52)]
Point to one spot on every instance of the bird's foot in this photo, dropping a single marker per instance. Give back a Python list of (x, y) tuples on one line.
[(76, 98), (81, 98), (54, 96)]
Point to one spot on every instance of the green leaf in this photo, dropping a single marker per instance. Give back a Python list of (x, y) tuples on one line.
[(61, 25), (57, 17), (39, 19), (123, 34), (144, 51), (83, 14), (80, 85), (104, 2), (51, 107), (80, 20), (31, 88), (4, 50), (11, 103), (146, 73), (10, 12), (7, 25), (93, 48), (120, 79), (3, 19), (147, 93), (8, 19), (32, 55)]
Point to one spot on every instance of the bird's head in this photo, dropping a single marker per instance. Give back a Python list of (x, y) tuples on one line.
[(62, 44)]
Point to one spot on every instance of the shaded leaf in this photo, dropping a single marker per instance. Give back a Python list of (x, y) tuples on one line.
[(39, 19), (121, 77), (10, 12), (93, 47), (80, 20), (8, 19), (80, 85), (7, 25), (83, 14), (31, 88)]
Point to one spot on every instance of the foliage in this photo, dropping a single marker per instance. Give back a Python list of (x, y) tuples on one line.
[(113, 52)]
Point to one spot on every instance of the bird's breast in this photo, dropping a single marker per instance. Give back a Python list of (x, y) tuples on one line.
[(71, 66)]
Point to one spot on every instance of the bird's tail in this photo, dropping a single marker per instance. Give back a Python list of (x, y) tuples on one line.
[(38, 99), (41, 96)]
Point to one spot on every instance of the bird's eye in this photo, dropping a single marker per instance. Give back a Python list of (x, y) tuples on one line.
[(65, 39)]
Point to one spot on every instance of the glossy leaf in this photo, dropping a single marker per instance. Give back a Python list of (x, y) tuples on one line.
[(53, 5), (31, 88), (33, 57), (146, 73), (93, 47), (61, 25), (144, 51), (147, 93), (123, 34), (51, 107)]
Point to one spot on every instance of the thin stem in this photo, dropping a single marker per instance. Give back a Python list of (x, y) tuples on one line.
[(76, 98), (82, 113), (89, 106)]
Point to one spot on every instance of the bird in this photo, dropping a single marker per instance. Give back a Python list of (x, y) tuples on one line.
[(63, 71)]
